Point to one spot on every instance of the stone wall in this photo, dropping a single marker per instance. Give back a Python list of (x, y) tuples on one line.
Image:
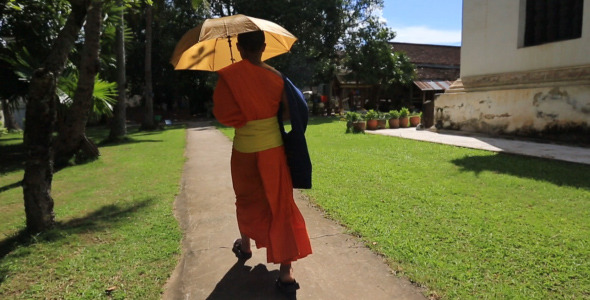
[(549, 104)]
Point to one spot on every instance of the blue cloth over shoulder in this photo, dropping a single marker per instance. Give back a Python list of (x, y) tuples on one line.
[(294, 141)]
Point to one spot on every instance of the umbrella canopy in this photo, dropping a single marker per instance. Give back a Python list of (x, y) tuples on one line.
[(211, 46)]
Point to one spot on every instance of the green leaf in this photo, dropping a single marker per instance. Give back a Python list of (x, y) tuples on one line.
[(14, 6), (104, 97), (196, 3)]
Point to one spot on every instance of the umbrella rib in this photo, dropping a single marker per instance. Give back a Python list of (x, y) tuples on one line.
[(279, 41)]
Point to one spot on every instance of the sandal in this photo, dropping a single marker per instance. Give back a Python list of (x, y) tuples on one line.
[(287, 288), (237, 250)]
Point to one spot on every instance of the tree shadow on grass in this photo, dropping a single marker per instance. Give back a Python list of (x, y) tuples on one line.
[(108, 216), (12, 139), (10, 186), (556, 172), (246, 282), (125, 141), (161, 128), (12, 158)]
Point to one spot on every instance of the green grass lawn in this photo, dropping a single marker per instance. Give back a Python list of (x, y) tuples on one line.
[(466, 224), (116, 229)]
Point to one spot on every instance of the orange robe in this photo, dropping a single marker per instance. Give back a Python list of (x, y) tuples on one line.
[(265, 207)]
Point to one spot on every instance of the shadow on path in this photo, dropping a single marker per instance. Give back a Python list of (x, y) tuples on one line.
[(247, 283)]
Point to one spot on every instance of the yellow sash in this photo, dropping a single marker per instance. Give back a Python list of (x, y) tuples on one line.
[(258, 135)]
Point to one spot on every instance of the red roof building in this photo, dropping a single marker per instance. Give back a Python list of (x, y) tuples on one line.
[(433, 62), (437, 68)]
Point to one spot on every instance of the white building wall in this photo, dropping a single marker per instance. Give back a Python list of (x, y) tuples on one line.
[(492, 37), (538, 91)]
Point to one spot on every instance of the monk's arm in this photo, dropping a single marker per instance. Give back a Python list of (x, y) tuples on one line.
[(225, 108)]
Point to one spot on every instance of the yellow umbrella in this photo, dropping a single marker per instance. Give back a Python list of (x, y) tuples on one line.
[(211, 45)]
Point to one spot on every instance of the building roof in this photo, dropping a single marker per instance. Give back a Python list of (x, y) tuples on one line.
[(430, 54), (433, 62), (433, 85)]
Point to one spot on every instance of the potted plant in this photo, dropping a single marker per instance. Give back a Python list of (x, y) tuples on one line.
[(350, 117), (404, 114), (382, 120), (359, 124), (415, 118), (393, 119), (371, 116), (354, 122)]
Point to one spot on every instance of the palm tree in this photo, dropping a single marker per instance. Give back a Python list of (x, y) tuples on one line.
[(148, 120), (118, 126)]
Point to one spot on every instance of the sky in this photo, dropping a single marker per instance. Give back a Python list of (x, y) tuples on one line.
[(435, 22)]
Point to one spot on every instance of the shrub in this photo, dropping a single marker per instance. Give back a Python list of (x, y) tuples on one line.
[(352, 116), (404, 112), (394, 114), (372, 115)]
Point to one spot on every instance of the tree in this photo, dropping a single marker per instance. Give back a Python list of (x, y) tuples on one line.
[(148, 120), (72, 131), (189, 91), (40, 116), (369, 57), (18, 21), (118, 125), (321, 26)]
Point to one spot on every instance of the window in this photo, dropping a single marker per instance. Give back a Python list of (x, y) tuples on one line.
[(548, 21)]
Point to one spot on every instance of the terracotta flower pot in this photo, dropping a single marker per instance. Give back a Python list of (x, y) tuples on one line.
[(403, 122), (359, 126), (372, 124), (393, 123), (381, 124), (414, 121)]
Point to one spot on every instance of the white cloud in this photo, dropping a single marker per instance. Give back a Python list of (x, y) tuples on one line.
[(425, 35)]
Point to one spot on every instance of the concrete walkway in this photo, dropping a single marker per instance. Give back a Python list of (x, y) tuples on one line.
[(477, 141), (341, 267)]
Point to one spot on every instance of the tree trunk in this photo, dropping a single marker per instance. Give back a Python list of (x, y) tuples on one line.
[(40, 118), (148, 120), (118, 125), (72, 132), (62, 47), (9, 120)]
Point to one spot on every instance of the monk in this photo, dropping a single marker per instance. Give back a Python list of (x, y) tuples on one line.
[(247, 97)]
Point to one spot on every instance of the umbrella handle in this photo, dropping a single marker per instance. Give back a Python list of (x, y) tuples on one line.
[(231, 54)]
